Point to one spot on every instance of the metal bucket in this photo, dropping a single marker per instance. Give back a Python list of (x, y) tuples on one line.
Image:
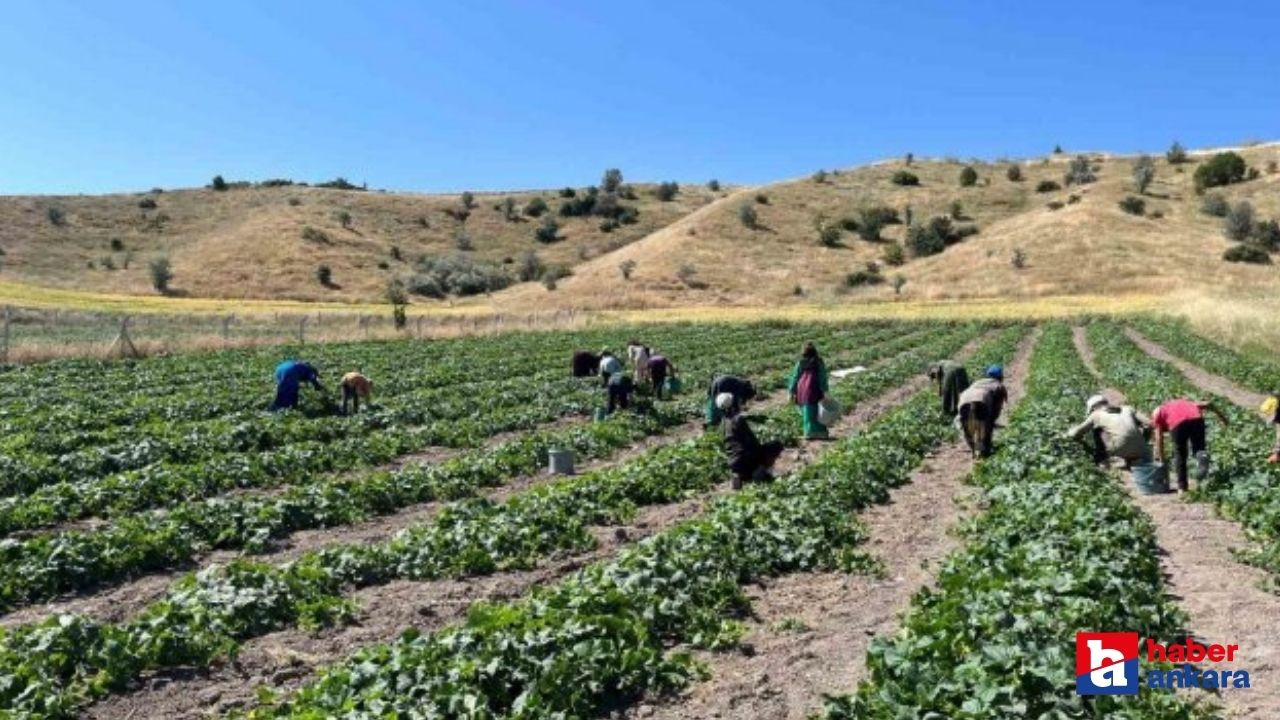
[(560, 462)]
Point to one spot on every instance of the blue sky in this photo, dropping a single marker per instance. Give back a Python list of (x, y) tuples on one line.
[(98, 97)]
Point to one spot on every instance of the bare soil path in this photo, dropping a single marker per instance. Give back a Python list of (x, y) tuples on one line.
[(809, 632), (1222, 597), (1199, 377), (285, 659)]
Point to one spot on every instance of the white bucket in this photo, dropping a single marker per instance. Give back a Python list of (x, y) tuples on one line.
[(560, 462)]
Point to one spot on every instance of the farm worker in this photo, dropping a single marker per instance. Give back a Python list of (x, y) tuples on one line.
[(585, 364), (749, 459), (1116, 431), (609, 365), (952, 380), (659, 368), (980, 406), (289, 375), (1271, 411), (808, 387), (355, 387), (1184, 420), (619, 387), (741, 390), (638, 354)]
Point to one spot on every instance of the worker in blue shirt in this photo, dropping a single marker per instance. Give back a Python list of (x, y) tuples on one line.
[(289, 375)]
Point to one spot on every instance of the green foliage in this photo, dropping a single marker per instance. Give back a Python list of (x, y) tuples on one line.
[(612, 180), (957, 210), (1266, 234), (747, 216), (462, 241), (762, 199), (344, 219), (341, 183), (440, 277), (713, 185), (968, 176), (531, 267), (666, 191), (1045, 186), (1014, 173), (1133, 205), (870, 275), (535, 207), (147, 204), (324, 275), (828, 234), (548, 231), (218, 183), (1176, 154), (1247, 253), (1019, 259), (311, 234), (56, 217), (894, 254), (568, 192), (117, 245), (905, 178), (161, 274), (1223, 168), (627, 267), (553, 275)]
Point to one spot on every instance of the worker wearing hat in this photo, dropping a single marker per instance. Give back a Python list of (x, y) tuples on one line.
[(980, 406), (1117, 431), (749, 459), (609, 365)]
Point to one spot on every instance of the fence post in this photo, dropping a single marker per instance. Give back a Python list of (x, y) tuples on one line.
[(8, 318), (123, 343), (302, 330)]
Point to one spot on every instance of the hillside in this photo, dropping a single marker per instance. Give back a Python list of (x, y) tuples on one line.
[(695, 249), (248, 242), (1086, 246)]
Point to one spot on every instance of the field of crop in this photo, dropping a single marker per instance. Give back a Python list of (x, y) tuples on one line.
[(170, 549)]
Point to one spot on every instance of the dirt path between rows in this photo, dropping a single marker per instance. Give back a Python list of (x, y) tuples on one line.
[(1199, 377), (809, 632), (1223, 598), (286, 659)]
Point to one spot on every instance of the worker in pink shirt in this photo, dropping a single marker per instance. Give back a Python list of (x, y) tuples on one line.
[(1184, 420)]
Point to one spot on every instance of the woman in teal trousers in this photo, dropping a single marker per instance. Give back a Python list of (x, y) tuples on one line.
[(808, 387)]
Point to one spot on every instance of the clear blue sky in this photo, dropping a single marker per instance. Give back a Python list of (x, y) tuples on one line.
[(482, 94)]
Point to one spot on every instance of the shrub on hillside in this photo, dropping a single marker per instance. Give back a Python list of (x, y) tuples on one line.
[(275, 182), (908, 159), (218, 183), (567, 192), (626, 267), (294, 202), (687, 274), (324, 274), (1215, 205), (344, 219), (56, 217), (1019, 259), (1223, 168), (462, 241), (1272, 167), (1045, 186), (311, 234), (666, 191), (612, 180), (535, 207), (1057, 149), (1246, 253), (1266, 234), (553, 275), (455, 275), (930, 238), (117, 245), (548, 232), (147, 203), (747, 215), (713, 185), (1014, 173), (1133, 205), (820, 176), (508, 209), (161, 274), (762, 199), (1176, 154), (956, 211), (870, 275), (968, 177), (1055, 205), (530, 267), (1238, 223), (1079, 172), (894, 254), (905, 178), (1144, 171), (828, 234)]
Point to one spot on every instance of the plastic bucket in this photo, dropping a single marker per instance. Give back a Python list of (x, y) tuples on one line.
[(674, 385), (829, 411), (1150, 478), (560, 462), (601, 414)]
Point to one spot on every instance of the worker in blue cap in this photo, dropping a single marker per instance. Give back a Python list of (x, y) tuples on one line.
[(980, 406), (289, 375)]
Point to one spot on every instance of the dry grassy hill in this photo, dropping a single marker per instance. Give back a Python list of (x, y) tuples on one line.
[(1088, 245), (692, 250), (249, 242)]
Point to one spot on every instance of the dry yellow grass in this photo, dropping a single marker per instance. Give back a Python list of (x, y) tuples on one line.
[(247, 243)]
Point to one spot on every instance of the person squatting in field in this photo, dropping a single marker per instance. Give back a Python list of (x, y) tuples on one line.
[(619, 387), (1183, 419), (659, 369), (355, 387), (1271, 411), (952, 380), (808, 387), (289, 375), (584, 364), (741, 390), (609, 365), (749, 459), (1116, 431), (980, 406)]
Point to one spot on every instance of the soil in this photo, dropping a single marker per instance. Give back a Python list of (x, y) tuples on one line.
[(809, 632), (1223, 598), (285, 659), (1202, 379)]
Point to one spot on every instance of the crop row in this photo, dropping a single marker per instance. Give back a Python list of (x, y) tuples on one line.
[(602, 635), (1176, 337), (207, 614), (47, 564), (1059, 549), (1242, 485)]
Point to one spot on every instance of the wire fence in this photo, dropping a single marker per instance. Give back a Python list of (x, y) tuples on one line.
[(36, 334)]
